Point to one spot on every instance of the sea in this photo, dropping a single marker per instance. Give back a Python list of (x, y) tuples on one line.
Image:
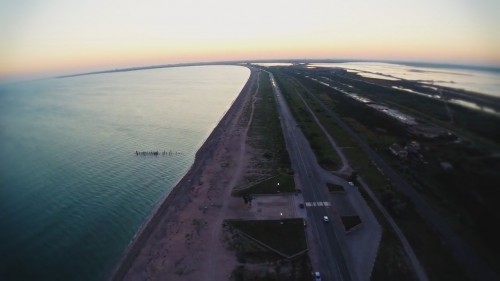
[(78, 170)]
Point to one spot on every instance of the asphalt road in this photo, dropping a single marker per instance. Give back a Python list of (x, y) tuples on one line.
[(460, 248), (333, 262)]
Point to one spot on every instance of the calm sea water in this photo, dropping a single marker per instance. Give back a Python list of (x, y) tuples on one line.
[(72, 190)]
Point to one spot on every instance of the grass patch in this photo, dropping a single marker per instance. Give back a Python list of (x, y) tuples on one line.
[(437, 260), (350, 221), (466, 196), (286, 236), (334, 187), (464, 119), (269, 186), (265, 131), (434, 255), (283, 270), (325, 154), (391, 262)]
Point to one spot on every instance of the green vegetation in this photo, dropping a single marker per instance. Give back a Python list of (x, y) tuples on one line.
[(259, 262), (466, 195), (334, 187), (266, 137), (379, 132), (464, 119), (265, 133), (268, 186), (286, 236), (391, 262), (350, 221), (437, 260), (357, 158), (326, 155), (283, 270)]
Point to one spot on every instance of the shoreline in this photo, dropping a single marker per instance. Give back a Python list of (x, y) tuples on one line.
[(180, 191)]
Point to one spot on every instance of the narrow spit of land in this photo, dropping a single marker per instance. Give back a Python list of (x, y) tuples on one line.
[(175, 243)]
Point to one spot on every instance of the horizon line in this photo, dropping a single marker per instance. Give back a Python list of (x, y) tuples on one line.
[(495, 68), (472, 66)]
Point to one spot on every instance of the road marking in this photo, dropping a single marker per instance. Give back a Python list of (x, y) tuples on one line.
[(318, 204)]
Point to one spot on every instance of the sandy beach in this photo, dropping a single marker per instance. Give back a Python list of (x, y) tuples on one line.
[(182, 238)]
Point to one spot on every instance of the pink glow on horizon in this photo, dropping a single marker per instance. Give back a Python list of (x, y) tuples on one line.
[(57, 37)]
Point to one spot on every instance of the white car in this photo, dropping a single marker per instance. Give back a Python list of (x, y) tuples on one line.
[(351, 183), (317, 276), (325, 219)]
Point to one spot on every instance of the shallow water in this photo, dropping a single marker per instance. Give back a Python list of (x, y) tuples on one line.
[(72, 190), (484, 82)]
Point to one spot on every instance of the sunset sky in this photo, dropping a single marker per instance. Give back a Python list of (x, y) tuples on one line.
[(65, 36)]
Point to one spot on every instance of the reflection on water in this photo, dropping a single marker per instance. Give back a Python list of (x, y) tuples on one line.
[(401, 117), (464, 103), (368, 74), (415, 92), (72, 189), (394, 113), (474, 106), (485, 82)]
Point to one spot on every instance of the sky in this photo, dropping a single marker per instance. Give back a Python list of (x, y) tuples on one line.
[(67, 36)]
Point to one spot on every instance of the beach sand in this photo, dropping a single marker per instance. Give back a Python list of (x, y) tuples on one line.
[(183, 239)]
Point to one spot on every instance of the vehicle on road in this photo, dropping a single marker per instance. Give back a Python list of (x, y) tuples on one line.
[(326, 219), (351, 183), (301, 206), (317, 276)]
